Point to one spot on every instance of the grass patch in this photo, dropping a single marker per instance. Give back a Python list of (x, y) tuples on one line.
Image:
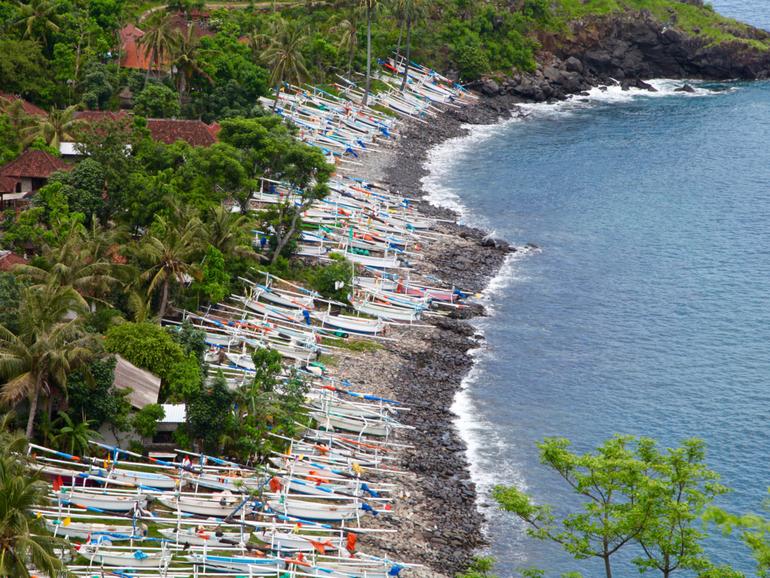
[(698, 21), (361, 345)]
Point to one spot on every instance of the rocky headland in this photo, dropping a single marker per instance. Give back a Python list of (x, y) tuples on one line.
[(628, 48)]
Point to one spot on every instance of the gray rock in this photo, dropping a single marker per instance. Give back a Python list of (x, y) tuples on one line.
[(573, 64)]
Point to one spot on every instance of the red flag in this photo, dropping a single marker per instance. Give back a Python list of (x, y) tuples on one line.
[(320, 546), (275, 484), (350, 545), (57, 484)]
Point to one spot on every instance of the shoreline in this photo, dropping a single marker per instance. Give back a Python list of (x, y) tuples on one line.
[(437, 520)]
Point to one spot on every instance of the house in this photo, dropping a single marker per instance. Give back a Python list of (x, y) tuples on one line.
[(26, 106), (26, 174)]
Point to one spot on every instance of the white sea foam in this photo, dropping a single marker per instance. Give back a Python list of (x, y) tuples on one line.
[(480, 436), (439, 163)]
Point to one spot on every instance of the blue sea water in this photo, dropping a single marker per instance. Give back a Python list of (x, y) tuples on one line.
[(647, 309)]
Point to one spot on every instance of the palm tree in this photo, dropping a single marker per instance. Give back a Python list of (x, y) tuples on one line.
[(348, 31), (284, 56), (185, 59), (159, 40), (16, 115), (170, 249), (57, 126), (370, 6), (38, 17), (86, 259), (73, 437), (23, 536), (412, 10), (50, 344), (229, 232)]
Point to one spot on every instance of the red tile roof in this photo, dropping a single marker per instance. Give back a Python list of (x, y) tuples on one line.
[(131, 54), (195, 132), (9, 260), (34, 164), (8, 184), (27, 106), (98, 115)]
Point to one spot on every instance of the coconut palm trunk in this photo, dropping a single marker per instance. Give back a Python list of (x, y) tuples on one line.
[(368, 52), (163, 298), (33, 400), (408, 50)]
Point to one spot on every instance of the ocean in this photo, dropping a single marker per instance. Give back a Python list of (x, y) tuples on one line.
[(646, 310)]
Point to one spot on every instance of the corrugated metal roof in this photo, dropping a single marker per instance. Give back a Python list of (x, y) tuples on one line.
[(143, 386), (175, 413)]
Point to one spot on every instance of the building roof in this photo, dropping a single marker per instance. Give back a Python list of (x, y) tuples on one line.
[(27, 106), (143, 386), (9, 260), (214, 129), (99, 115), (34, 164), (8, 184), (195, 132), (174, 413), (131, 54)]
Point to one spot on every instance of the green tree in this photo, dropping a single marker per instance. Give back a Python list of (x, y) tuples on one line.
[(612, 481), (157, 101), (284, 56), (38, 19), (93, 396), (681, 488), (159, 40), (370, 7), (480, 567), (48, 346), (23, 536), (348, 39), (412, 10), (146, 420), (10, 293), (73, 436), (228, 232), (85, 259), (57, 126), (24, 69), (186, 60), (210, 415), (214, 284), (170, 250)]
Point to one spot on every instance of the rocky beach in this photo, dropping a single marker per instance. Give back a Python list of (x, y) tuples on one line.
[(436, 521)]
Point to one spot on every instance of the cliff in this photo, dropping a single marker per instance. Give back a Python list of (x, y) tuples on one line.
[(629, 46)]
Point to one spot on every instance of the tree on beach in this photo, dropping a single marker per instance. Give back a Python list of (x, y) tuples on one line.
[(370, 6), (348, 42), (24, 537), (611, 481), (284, 56), (634, 495), (411, 10)]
